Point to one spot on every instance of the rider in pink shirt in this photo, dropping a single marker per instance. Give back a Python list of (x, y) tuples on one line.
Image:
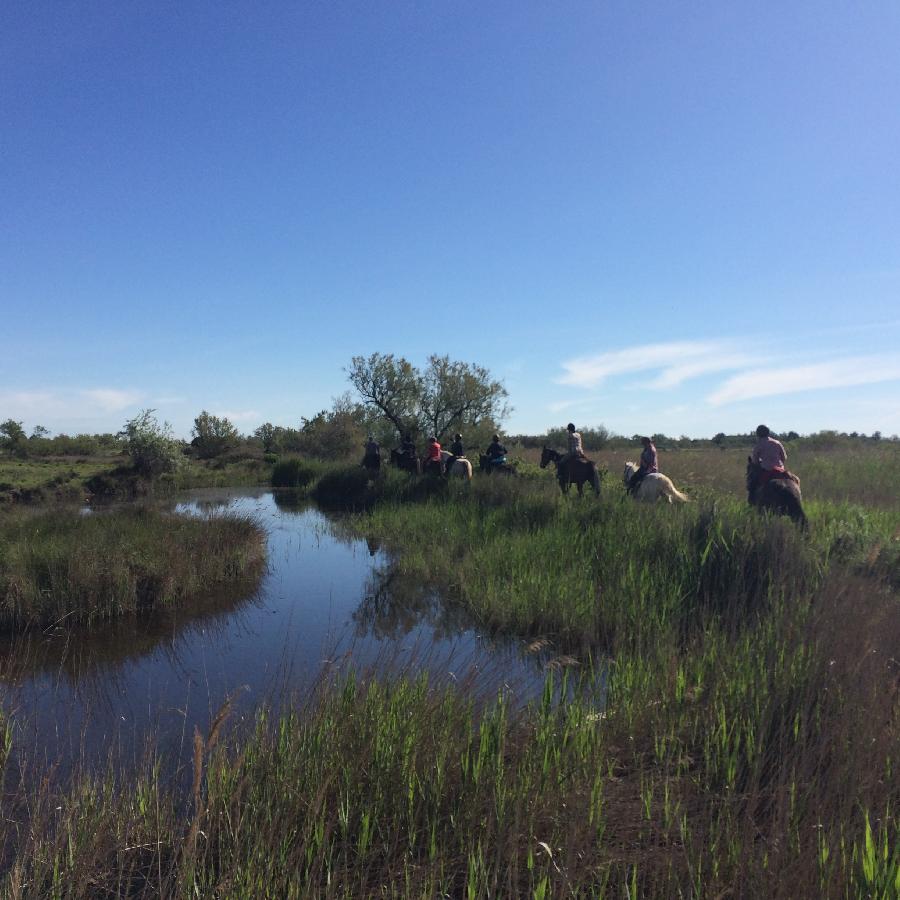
[(769, 455), (768, 452), (433, 456)]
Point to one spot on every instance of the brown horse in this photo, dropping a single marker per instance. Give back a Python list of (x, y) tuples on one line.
[(372, 464), (576, 471), (778, 495), (408, 463)]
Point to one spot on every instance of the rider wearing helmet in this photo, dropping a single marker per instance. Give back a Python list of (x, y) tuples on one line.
[(496, 452), (456, 451), (408, 446)]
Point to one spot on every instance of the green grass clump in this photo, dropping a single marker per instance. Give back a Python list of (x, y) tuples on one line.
[(294, 472), (67, 568)]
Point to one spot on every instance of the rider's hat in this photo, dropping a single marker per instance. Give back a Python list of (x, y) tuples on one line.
[(496, 438), (762, 431), (457, 436), (570, 427), (432, 439)]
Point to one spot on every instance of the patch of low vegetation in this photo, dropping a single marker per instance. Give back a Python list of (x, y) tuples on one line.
[(64, 568), (294, 472)]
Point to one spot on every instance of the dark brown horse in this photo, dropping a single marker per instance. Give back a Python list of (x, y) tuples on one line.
[(372, 464), (575, 471), (778, 495), (406, 462)]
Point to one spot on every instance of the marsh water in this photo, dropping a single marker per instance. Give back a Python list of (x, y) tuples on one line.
[(328, 601)]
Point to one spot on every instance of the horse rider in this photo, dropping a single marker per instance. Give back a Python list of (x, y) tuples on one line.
[(574, 450), (770, 456), (433, 457), (496, 452), (408, 447), (648, 464), (372, 453), (456, 451)]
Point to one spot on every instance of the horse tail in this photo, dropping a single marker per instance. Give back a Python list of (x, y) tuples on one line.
[(595, 479), (671, 492)]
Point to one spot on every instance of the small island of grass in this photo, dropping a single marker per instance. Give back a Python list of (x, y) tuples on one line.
[(64, 568)]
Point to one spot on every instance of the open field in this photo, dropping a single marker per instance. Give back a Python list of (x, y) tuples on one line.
[(729, 722)]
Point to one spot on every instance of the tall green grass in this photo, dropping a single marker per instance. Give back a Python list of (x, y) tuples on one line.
[(746, 767), (65, 568)]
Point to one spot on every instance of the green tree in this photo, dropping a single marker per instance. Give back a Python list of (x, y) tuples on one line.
[(39, 433), (12, 436), (150, 445), (213, 435), (389, 384), (334, 433), (446, 396), (267, 435), (458, 395)]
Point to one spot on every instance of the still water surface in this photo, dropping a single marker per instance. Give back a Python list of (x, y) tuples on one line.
[(328, 600)]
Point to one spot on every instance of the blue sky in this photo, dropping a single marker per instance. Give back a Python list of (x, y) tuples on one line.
[(660, 217)]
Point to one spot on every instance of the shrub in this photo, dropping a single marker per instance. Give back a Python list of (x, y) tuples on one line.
[(292, 472), (213, 435), (152, 448), (344, 488)]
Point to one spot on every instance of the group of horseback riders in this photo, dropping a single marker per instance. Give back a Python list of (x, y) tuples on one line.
[(768, 457), (435, 462)]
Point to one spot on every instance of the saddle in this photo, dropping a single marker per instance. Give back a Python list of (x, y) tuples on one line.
[(765, 476)]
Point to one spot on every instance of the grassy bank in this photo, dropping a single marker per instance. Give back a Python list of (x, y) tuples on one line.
[(65, 568)]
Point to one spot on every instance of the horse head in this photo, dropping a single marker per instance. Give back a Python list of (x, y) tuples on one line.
[(630, 469), (548, 455), (752, 473)]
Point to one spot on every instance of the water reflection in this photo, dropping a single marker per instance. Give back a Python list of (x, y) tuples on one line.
[(396, 604), (326, 597)]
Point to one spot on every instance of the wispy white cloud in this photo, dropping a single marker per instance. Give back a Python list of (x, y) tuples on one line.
[(562, 405), (846, 372), (111, 399), (676, 362), (35, 406)]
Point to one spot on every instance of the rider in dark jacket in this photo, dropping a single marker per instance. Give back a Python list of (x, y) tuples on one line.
[(456, 450), (408, 447), (372, 454), (496, 452)]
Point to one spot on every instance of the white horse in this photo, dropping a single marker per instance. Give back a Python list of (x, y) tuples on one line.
[(654, 486), (461, 466)]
